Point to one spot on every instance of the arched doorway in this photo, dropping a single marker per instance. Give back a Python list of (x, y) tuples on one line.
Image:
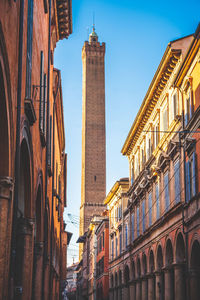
[(144, 279), (120, 285), (195, 271), (179, 269), (116, 287), (126, 282), (169, 272), (151, 280), (138, 283), (159, 275), (38, 247), (6, 182), (24, 233)]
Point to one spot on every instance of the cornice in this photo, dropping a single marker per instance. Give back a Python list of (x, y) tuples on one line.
[(164, 71), (64, 18)]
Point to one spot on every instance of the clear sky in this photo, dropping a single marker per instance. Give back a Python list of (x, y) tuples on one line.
[(136, 34)]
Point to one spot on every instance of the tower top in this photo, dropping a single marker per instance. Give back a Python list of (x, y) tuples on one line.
[(93, 36)]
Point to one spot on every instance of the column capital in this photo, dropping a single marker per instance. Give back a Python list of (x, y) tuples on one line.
[(38, 247), (6, 187), (25, 226), (150, 275)]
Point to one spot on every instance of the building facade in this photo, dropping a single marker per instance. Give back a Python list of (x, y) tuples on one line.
[(93, 180), (102, 276), (117, 201), (161, 255), (33, 163)]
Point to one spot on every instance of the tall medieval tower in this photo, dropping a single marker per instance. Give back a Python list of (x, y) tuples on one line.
[(93, 180)]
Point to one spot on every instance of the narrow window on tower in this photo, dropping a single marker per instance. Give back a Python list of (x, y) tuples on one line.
[(95, 178), (29, 49)]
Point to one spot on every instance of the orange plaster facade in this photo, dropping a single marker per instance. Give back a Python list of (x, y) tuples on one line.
[(33, 163)]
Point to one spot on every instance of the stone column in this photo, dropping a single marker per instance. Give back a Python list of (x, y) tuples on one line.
[(138, 289), (37, 271), (6, 188), (194, 284), (24, 258), (116, 293), (179, 282), (125, 293), (168, 284), (151, 287), (144, 288), (158, 286), (111, 294), (120, 293), (132, 290)]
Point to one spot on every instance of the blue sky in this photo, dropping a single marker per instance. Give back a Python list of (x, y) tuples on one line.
[(136, 34)]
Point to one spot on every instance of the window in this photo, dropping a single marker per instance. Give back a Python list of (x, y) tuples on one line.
[(188, 108), (138, 221), (120, 243), (50, 142), (156, 136), (157, 201), (41, 92), (116, 247), (165, 119), (177, 181), (103, 240), (150, 208), (132, 226), (126, 235), (132, 171), (149, 147), (166, 188), (191, 177), (112, 249), (29, 48), (143, 215), (175, 105)]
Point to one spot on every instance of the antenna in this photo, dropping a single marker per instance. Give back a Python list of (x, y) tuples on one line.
[(93, 21)]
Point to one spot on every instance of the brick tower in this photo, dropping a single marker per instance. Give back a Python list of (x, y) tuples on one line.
[(93, 177)]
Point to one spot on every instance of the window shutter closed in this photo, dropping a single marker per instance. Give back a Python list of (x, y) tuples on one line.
[(150, 209), (143, 215), (166, 182), (44, 103), (188, 186), (194, 173), (50, 142), (177, 181), (41, 111)]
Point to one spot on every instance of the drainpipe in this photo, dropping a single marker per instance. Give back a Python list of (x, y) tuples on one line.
[(17, 152), (47, 139)]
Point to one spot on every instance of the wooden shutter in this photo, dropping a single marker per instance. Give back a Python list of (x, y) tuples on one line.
[(188, 182), (194, 177), (44, 103), (29, 48), (50, 142), (132, 226), (138, 221), (143, 215), (157, 201), (177, 181), (41, 110), (166, 184), (150, 209)]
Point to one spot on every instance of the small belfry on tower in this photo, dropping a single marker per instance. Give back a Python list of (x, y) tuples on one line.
[(93, 175)]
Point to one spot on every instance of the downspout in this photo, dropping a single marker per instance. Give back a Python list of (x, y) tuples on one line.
[(17, 152), (182, 134), (47, 140), (52, 199)]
